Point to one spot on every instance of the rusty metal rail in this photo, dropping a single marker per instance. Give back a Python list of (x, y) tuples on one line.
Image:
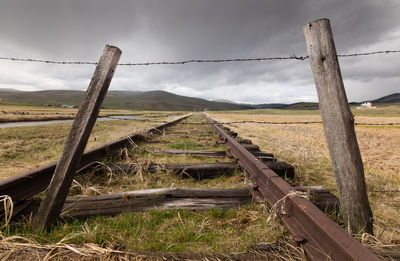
[(32, 182), (321, 238)]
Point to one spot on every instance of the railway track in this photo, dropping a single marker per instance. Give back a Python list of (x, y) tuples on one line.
[(183, 164)]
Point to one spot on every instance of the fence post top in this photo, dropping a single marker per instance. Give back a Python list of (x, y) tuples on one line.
[(321, 20), (112, 47)]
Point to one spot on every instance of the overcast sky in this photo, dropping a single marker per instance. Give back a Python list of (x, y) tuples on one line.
[(173, 30)]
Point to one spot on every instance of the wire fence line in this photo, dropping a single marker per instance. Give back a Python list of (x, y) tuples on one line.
[(311, 122), (261, 122), (274, 122), (291, 57)]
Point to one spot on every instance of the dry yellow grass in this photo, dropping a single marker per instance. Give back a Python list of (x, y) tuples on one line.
[(216, 232), (24, 148), (302, 118), (305, 147), (14, 113), (11, 113)]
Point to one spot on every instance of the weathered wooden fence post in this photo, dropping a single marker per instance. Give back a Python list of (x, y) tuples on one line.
[(75, 144), (338, 123)]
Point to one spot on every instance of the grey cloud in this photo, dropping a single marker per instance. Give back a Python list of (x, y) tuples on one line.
[(158, 30)]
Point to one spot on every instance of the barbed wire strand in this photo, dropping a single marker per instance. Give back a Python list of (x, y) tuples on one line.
[(250, 122), (292, 57), (269, 122), (293, 122), (369, 53)]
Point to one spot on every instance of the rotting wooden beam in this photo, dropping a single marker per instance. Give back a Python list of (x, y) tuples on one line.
[(282, 168), (232, 133), (161, 199), (51, 206), (262, 154), (199, 170), (166, 199), (244, 141), (251, 147), (144, 200), (265, 159), (194, 170), (321, 198), (318, 195), (204, 153)]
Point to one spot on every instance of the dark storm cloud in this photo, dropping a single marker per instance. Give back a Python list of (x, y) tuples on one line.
[(151, 30)]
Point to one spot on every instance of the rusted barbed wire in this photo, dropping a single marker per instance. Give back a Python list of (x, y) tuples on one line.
[(296, 122), (43, 61), (275, 122), (369, 53), (257, 122), (291, 57), (261, 122), (267, 122)]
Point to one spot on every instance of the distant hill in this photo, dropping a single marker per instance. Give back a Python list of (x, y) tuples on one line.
[(9, 89), (114, 99), (269, 106), (301, 106), (392, 98), (152, 100), (255, 106), (43, 97), (224, 100), (162, 100)]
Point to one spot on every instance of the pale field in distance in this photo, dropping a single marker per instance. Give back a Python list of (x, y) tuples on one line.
[(10, 113), (304, 146), (24, 148)]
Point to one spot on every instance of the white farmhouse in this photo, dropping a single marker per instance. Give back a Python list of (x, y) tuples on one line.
[(366, 105)]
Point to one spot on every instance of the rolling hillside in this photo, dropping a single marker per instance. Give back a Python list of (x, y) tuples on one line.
[(301, 106), (161, 100), (152, 100), (392, 98), (114, 99), (155, 100)]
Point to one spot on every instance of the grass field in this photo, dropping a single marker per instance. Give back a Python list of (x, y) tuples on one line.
[(384, 110), (304, 146), (24, 148), (214, 231), (211, 231)]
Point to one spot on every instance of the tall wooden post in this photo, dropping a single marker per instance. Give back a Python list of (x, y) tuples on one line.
[(338, 123), (75, 144)]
